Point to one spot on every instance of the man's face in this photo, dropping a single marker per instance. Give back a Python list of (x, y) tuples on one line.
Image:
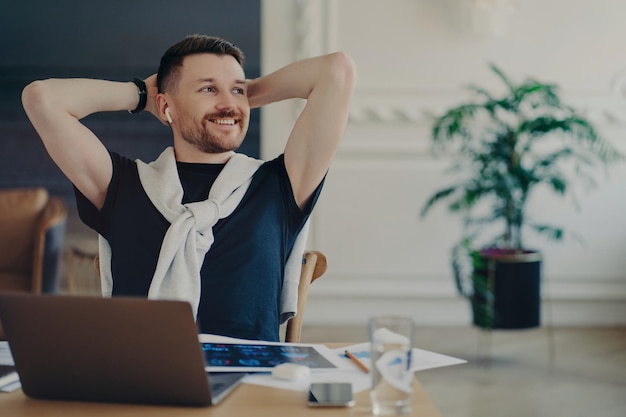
[(212, 109)]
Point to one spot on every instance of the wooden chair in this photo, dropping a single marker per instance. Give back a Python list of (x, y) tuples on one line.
[(83, 276), (313, 266)]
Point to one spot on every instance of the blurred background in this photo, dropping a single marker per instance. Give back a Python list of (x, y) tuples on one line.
[(415, 60)]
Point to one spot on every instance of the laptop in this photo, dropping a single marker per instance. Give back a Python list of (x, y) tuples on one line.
[(114, 350)]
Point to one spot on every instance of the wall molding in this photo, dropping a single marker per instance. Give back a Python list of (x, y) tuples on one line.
[(337, 300), (417, 108), (400, 286), (316, 33), (455, 312), (315, 28)]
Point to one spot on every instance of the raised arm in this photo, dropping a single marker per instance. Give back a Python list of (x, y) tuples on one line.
[(327, 83), (55, 107)]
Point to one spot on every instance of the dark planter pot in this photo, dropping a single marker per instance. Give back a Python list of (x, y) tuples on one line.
[(507, 289)]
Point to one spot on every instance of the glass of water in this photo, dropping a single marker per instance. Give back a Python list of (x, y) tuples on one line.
[(391, 339)]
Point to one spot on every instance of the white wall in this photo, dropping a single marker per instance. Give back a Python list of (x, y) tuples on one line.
[(414, 58)]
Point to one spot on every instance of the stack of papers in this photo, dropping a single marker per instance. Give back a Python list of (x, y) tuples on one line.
[(345, 371), (9, 380)]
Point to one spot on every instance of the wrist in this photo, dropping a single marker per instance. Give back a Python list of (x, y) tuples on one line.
[(253, 93), (143, 95)]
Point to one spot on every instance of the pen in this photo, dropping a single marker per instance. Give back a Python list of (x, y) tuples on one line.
[(358, 362)]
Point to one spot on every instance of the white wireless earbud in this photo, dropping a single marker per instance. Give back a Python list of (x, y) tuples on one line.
[(168, 115)]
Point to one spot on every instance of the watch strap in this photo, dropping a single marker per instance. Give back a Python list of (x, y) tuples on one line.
[(143, 95)]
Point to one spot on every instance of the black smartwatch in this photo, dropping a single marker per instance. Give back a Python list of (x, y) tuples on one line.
[(143, 96)]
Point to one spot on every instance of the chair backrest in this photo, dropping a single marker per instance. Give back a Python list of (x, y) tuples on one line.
[(32, 230), (83, 272), (314, 265), (27, 217)]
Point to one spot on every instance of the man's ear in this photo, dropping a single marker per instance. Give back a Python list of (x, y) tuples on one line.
[(163, 109)]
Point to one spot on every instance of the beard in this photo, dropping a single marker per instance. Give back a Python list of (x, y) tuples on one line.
[(200, 136)]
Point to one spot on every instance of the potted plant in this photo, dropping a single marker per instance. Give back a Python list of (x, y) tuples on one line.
[(506, 147)]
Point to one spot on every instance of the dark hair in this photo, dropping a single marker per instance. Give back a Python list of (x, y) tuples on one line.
[(172, 60)]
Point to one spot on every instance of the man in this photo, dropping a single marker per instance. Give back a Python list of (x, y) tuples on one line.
[(201, 223)]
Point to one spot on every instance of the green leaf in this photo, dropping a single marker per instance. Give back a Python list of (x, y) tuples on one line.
[(551, 232)]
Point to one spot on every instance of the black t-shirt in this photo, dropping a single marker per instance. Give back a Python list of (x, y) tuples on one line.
[(242, 274)]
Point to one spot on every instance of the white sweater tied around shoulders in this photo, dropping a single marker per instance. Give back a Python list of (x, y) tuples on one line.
[(190, 234)]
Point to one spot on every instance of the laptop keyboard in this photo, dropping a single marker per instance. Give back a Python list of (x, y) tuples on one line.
[(222, 381), (217, 387)]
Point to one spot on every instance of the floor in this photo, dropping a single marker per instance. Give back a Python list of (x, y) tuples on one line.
[(516, 373)]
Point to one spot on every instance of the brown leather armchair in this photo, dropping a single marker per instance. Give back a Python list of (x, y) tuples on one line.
[(32, 230)]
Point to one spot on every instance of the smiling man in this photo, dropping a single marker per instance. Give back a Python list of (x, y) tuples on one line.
[(202, 223)]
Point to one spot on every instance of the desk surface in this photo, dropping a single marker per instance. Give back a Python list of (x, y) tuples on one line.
[(245, 400)]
